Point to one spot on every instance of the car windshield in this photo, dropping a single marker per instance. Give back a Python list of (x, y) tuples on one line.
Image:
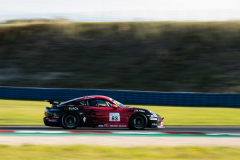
[(120, 104)]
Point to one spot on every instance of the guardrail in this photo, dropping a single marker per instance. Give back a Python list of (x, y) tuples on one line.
[(124, 96)]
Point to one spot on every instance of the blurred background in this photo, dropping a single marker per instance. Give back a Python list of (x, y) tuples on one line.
[(183, 46)]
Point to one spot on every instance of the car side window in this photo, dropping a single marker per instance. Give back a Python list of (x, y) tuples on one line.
[(99, 103), (83, 103), (102, 103), (109, 103)]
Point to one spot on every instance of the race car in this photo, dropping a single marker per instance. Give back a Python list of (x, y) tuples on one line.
[(99, 111)]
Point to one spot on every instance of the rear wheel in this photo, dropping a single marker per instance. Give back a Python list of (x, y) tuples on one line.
[(70, 121), (138, 121)]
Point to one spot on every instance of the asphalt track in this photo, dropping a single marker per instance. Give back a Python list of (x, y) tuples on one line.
[(167, 136), (171, 129)]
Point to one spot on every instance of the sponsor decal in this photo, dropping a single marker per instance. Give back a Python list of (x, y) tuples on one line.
[(100, 125), (154, 124), (73, 108), (154, 115), (122, 126), (139, 110), (114, 117), (153, 119), (113, 125), (55, 115), (106, 125), (84, 119)]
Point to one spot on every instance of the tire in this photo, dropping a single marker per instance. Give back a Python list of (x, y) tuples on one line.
[(70, 120), (138, 121)]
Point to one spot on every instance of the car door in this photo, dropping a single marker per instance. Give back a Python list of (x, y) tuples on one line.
[(104, 115), (92, 113)]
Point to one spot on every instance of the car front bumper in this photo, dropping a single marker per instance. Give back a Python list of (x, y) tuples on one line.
[(156, 122)]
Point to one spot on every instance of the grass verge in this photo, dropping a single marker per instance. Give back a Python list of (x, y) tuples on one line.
[(22, 112), (28, 152)]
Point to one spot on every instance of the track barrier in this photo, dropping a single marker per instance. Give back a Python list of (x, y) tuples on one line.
[(125, 96)]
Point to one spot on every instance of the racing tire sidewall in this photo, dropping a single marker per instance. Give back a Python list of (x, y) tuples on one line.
[(140, 118), (70, 117)]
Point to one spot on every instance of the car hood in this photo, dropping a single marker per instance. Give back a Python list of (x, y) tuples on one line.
[(136, 108)]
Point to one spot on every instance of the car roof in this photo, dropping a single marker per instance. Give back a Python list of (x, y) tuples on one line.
[(89, 97), (95, 97)]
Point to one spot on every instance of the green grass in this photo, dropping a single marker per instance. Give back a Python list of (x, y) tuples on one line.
[(28, 152), (20, 112)]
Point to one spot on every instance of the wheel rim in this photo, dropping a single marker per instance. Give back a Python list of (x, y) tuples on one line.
[(70, 121), (138, 122)]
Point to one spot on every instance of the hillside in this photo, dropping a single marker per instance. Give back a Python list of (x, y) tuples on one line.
[(157, 56)]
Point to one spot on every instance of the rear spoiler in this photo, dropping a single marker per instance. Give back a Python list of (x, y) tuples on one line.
[(53, 102)]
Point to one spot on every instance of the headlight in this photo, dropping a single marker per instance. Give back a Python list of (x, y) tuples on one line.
[(154, 114)]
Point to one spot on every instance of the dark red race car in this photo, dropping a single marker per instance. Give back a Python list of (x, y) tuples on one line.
[(99, 111)]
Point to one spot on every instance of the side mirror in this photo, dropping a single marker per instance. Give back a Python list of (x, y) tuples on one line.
[(114, 106), (47, 107)]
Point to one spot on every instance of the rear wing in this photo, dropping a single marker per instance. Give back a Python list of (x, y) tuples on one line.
[(53, 102)]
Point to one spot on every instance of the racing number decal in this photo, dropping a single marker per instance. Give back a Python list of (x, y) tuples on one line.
[(114, 117)]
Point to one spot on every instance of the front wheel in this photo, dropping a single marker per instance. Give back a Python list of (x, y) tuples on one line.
[(138, 121), (70, 121)]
